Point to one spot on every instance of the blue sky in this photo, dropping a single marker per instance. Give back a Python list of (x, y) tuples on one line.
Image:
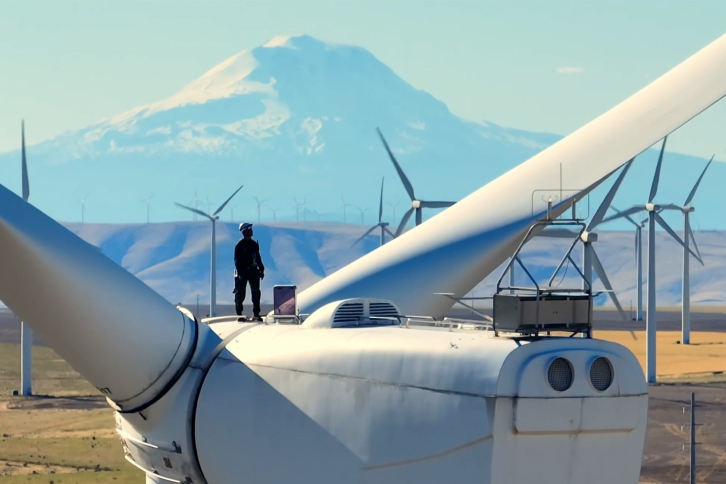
[(544, 66)]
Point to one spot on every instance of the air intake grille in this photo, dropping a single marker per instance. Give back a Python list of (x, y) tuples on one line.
[(560, 375), (601, 374), (382, 310), (348, 313)]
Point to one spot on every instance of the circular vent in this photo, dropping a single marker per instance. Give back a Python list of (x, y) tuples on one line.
[(560, 374), (601, 374)]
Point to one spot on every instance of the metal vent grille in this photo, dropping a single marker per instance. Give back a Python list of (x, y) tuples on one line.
[(382, 310), (560, 374), (348, 313), (601, 374)]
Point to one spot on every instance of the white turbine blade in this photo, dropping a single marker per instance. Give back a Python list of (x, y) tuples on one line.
[(623, 214), (669, 206), (600, 270), (221, 207), (672, 232), (656, 177), (404, 179), (85, 302), (24, 162), (605, 205), (199, 212), (698, 182), (437, 204), (693, 239), (453, 251), (365, 235), (404, 220)]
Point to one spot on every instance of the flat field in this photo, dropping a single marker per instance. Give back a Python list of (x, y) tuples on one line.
[(703, 359)]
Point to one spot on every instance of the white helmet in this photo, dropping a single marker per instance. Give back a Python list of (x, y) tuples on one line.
[(244, 226)]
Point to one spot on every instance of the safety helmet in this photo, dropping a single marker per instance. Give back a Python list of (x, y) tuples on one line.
[(244, 226)]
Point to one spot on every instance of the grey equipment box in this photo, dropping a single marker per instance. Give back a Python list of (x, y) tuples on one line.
[(517, 313)]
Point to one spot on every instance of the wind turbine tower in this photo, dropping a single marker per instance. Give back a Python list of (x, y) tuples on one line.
[(147, 201), (638, 258), (83, 209), (259, 205), (381, 224), (26, 334), (653, 210), (417, 205), (686, 209), (213, 252)]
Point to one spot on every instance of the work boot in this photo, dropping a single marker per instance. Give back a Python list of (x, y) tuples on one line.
[(257, 318)]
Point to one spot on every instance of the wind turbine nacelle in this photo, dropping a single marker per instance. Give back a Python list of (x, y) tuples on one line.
[(416, 203), (348, 396)]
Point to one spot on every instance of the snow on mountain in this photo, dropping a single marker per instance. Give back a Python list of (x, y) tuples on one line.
[(173, 258), (297, 117)]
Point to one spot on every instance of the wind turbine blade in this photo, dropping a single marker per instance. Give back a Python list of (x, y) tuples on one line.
[(24, 161), (221, 207), (672, 232), (698, 182), (404, 221), (193, 210), (389, 232), (364, 235), (623, 214), (437, 204), (693, 239), (669, 206), (605, 205), (600, 270), (404, 179), (656, 177), (380, 207)]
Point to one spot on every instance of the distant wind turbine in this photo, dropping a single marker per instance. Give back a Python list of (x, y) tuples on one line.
[(654, 217), (345, 210), (147, 201), (83, 209), (259, 205), (300, 205), (274, 213), (213, 263), (26, 333), (381, 224), (417, 205), (393, 207), (362, 213)]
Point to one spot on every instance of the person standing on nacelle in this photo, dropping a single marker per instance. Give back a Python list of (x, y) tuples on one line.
[(248, 269)]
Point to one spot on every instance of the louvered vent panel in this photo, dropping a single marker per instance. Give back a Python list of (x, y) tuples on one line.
[(382, 310), (348, 313)]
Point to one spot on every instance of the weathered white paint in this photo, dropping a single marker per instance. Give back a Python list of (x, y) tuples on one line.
[(390, 404)]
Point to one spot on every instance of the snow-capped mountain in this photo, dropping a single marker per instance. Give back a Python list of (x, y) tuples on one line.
[(295, 117)]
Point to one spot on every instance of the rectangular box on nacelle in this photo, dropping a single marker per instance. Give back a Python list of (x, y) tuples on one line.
[(518, 313)]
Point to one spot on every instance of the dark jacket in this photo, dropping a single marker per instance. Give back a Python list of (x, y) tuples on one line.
[(247, 258)]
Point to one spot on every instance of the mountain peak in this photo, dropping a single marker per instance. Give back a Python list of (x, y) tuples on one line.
[(296, 41)]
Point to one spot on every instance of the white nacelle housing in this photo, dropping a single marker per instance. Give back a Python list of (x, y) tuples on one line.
[(390, 404)]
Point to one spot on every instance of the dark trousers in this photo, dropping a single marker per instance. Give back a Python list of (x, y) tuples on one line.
[(240, 290)]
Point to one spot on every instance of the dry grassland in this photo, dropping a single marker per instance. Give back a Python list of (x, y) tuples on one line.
[(703, 359)]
